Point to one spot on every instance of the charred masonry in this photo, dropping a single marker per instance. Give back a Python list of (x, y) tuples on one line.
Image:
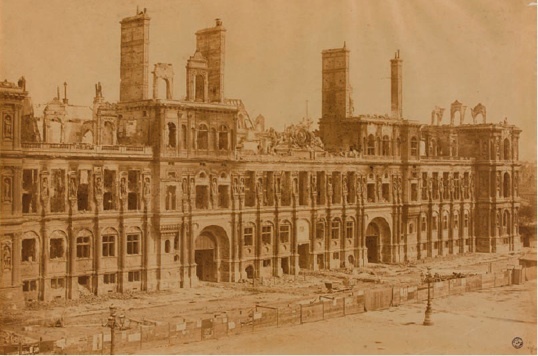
[(153, 192)]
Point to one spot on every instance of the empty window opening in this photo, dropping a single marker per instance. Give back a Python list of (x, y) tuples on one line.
[(133, 197), (202, 197), (29, 250), (29, 186), (109, 195), (56, 248), (385, 192), (57, 191)]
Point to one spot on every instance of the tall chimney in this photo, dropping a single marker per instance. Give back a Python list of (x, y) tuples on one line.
[(396, 86), (65, 101)]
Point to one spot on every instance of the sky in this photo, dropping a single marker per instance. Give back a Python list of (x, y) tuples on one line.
[(470, 50)]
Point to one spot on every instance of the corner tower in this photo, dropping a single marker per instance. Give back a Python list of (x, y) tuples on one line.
[(336, 89), (134, 57), (396, 86), (210, 42)]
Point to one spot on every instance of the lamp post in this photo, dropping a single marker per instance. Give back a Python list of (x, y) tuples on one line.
[(114, 322), (427, 316)]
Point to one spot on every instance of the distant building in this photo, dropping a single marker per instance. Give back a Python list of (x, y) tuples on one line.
[(154, 192)]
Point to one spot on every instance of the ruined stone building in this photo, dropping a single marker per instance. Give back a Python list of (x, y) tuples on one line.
[(155, 192)]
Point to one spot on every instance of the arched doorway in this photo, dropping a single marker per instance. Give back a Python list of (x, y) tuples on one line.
[(378, 241), (211, 254)]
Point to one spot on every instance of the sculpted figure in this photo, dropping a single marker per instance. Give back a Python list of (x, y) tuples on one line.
[(123, 187), (147, 186)]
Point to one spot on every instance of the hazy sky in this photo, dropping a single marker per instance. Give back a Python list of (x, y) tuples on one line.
[(470, 50)]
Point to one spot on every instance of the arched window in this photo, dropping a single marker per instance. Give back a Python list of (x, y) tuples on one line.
[(202, 138), (386, 146), (172, 135), (414, 146), (167, 246), (335, 229), (371, 145), (223, 137), (183, 136)]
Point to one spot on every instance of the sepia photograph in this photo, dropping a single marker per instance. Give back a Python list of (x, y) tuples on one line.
[(268, 177)]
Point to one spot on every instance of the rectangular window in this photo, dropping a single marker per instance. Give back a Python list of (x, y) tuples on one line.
[(350, 229), (248, 236), (83, 247), (109, 278), (57, 283), (28, 250), (133, 244), (284, 233), (267, 232), (335, 230), (266, 263), (436, 244), (134, 276), (133, 195), (29, 286), (109, 242), (83, 202)]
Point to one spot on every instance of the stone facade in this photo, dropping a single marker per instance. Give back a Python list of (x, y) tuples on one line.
[(152, 194)]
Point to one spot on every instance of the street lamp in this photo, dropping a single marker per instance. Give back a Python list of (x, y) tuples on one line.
[(114, 322), (427, 316)]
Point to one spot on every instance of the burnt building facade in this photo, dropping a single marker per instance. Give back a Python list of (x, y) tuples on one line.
[(155, 193)]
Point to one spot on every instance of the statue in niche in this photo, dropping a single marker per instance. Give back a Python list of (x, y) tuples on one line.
[(499, 184), (72, 188), (430, 187), (235, 187), (123, 187), (45, 188), (192, 188), (441, 187), (471, 185), (214, 192), (242, 186), (295, 188), (147, 186), (98, 187), (8, 126), (184, 186), (345, 188), (329, 188), (7, 188), (6, 256)]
